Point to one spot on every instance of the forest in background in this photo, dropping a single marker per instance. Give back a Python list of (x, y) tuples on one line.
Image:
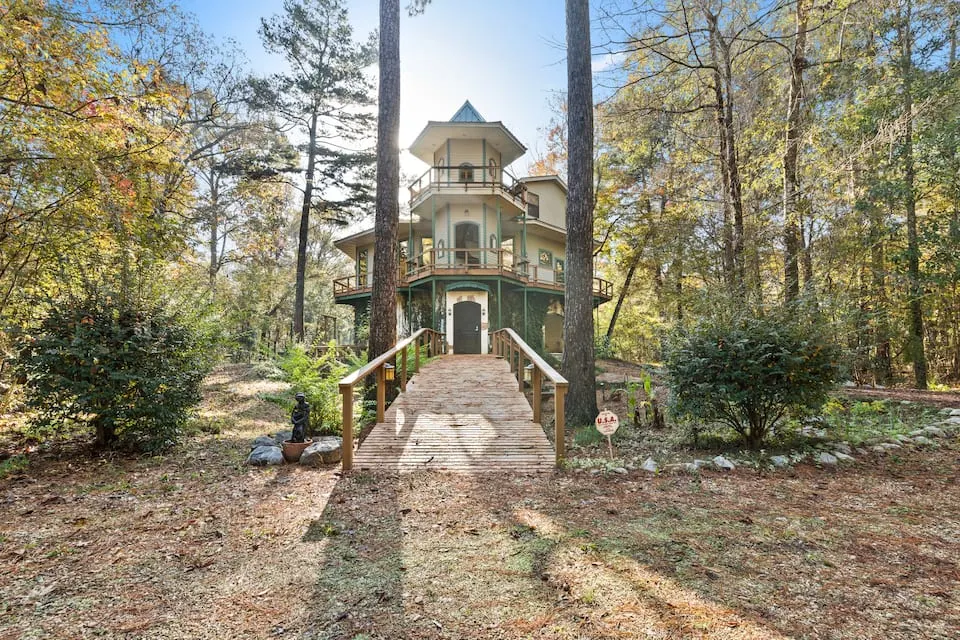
[(746, 155), (754, 154)]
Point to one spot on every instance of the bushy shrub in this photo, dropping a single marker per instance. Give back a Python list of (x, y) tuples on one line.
[(131, 372), (319, 379), (747, 372)]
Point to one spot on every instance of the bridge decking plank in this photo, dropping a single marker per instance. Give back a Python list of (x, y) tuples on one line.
[(462, 414)]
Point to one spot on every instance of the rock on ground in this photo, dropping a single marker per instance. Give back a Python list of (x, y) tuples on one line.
[(826, 458), (650, 465), (722, 463), (924, 441), (281, 436), (262, 441), (326, 450), (780, 462), (263, 456), (840, 455), (934, 431)]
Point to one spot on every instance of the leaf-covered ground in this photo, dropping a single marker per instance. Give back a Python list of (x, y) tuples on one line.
[(196, 545)]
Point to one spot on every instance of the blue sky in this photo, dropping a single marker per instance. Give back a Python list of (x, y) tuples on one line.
[(506, 57)]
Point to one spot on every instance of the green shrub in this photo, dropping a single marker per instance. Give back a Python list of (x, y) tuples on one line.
[(747, 372), (130, 372), (319, 379)]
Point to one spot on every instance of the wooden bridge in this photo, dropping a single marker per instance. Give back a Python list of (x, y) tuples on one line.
[(458, 413)]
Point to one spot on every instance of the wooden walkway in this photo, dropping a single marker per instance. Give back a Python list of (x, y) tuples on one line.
[(461, 413)]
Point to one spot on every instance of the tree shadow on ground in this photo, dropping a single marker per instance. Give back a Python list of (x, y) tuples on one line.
[(358, 591)]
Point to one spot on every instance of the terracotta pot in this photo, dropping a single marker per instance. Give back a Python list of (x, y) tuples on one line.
[(293, 450)]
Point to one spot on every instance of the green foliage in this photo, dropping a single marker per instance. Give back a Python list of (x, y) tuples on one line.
[(747, 372), (318, 378), (12, 466), (131, 372), (859, 422)]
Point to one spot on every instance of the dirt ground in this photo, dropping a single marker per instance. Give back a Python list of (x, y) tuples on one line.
[(197, 545)]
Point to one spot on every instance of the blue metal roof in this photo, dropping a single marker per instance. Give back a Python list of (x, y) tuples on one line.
[(467, 113)]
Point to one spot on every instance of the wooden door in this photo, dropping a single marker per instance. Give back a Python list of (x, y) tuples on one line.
[(466, 327)]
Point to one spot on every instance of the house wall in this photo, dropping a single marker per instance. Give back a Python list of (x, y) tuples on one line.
[(473, 151), (553, 203), (534, 245)]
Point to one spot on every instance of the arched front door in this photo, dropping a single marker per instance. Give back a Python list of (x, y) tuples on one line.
[(466, 327)]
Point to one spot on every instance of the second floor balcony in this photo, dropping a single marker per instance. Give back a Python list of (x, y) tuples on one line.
[(469, 179), (471, 262)]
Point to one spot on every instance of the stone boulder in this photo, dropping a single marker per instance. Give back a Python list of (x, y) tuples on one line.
[(722, 463), (264, 456), (923, 441), (262, 441), (843, 457), (934, 432), (780, 462), (650, 465), (281, 436), (326, 450), (827, 459)]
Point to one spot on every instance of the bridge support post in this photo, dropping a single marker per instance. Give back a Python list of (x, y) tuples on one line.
[(537, 393), (347, 448), (381, 394), (559, 433), (403, 369)]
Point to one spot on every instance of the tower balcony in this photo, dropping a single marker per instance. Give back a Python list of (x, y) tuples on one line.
[(474, 263), (470, 180)]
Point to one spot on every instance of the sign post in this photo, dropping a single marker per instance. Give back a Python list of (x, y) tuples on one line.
[(607, 424)]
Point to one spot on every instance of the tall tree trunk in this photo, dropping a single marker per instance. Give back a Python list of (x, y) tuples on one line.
[(915, 290), (733, 263), (304, 235), (214, 231), (578, 350), (383, 300), (792, 235), (623, 293), (882, 359)]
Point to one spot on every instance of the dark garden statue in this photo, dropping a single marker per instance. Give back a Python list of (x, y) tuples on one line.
[(300, 419)]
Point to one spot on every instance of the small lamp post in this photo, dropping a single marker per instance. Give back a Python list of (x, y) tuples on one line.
[(389, 372), (528, 373)]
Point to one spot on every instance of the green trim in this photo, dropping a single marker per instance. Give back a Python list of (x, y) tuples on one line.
[(483, 241), (433, 304), (467, 285), (449, 242), (449, 162), (499, 304), (484, 154)]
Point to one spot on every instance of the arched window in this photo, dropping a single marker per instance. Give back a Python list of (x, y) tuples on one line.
[(466, 172)]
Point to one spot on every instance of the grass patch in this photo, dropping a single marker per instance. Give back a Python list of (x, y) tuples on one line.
[(13, 465)]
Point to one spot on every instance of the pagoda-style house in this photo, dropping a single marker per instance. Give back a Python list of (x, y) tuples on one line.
[(481, 250)]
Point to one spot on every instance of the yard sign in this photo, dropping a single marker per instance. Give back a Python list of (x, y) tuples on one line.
[(607, 423)]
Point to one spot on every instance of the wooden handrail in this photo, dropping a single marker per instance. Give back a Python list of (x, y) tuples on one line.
[(431, 337), (508, 344)]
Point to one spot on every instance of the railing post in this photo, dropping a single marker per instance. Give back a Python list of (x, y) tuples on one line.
[(537, 393), (416, 355), (403, 370), (381, 394), (559, 433), (347, 448), (521, 371)]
